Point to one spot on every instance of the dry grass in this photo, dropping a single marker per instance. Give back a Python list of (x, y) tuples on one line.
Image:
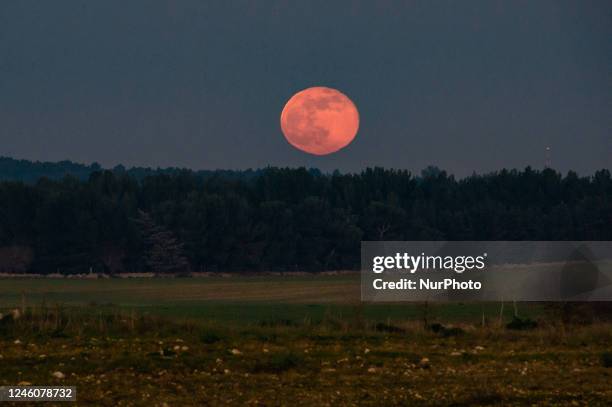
[(122, 358), (289, 289)]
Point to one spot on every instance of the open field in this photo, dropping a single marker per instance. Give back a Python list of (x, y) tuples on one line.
[(303, 340), (145, 291), (122, 359), (238, 299)]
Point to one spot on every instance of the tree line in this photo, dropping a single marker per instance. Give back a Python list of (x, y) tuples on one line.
[(281, 219), (31, 171)]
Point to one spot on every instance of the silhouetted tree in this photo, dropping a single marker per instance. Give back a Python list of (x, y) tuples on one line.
[(163, 252)]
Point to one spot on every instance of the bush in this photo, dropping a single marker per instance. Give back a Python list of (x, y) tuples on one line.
[(444, 331), (278, 363), (209, 337), (277, 322), (519, 324), (606, 359), (382, 327)]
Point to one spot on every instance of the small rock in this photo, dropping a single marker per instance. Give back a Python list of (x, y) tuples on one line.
[(455, 353), (424, 363), (17, 342), (236, 352), (58, 375), (184, 348), (366, 351), (372, 370), (15, 313), (24, 384), (478, 347)]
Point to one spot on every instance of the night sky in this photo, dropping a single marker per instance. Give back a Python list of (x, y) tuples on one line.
[(467, 86)]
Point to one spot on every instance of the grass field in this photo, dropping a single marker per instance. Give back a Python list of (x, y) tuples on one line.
[(238, 299), (300, 340)]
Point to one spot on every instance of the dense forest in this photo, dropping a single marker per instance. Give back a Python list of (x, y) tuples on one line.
[(280, 219)]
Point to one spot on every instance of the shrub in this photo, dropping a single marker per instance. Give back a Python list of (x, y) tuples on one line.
[(277, 322), (382, 327), (606, 359), (209, 337), (278, 363), (519, 324), (444, 331)]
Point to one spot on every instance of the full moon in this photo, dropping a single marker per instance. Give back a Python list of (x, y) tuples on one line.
[(319, 120)]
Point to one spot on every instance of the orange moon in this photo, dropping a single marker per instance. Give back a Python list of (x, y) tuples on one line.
[(319, 120)]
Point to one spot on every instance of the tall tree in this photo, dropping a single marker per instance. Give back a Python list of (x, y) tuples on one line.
[(163, 251)]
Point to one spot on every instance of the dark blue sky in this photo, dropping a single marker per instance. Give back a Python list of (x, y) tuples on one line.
[(468, 86)]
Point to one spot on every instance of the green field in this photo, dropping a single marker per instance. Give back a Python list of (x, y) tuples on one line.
[(280, 340), (241, 299)]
